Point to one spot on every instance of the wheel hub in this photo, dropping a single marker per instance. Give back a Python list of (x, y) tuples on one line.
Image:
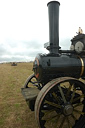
[(68, 109)]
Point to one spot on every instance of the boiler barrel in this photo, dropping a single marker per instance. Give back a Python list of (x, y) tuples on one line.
[(50, 67)]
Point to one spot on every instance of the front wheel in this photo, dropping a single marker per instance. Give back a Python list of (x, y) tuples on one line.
[(32, 82)]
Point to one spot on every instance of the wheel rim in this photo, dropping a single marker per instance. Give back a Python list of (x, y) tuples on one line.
[(61, 104)]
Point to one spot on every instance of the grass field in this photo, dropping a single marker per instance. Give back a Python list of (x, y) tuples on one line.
[(14, 112)]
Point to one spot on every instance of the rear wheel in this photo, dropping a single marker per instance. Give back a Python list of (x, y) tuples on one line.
[(60, 104)]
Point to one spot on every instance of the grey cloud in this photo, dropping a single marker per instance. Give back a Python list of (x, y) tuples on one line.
[(32, 44), (11, 42), (16, 59), (29, 52), (13, 50), (65, 44), (3, 50)]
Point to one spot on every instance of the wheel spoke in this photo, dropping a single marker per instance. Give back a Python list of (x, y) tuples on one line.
[(79, 112), (34, 83), (56, 97), (78, 104), (57, 120), (69, 89), (72, 115), (73, 94), (69, 124), (49, 118), (61, 125), (62, 94), (53, 104), (46, 112), (78, 98)]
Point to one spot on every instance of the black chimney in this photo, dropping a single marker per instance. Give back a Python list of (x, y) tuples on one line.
[(53, 11)]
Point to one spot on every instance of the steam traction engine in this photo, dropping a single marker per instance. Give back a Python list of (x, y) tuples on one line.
[(55, 91)]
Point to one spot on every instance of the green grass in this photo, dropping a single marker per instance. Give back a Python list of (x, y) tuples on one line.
[(14, 112)]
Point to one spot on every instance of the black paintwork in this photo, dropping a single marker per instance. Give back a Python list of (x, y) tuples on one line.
[(51, 67), (58, 63), (53, 11), (79, 37)]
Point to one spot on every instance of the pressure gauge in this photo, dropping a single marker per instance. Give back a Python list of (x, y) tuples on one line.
[(72, 47), (79, 47)]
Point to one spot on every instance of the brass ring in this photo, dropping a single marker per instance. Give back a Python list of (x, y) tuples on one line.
[(82, 67)]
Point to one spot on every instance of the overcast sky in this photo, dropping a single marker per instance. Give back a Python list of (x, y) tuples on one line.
[(24, 27)]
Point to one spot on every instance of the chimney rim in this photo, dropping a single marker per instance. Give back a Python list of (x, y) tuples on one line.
[(53, 2)]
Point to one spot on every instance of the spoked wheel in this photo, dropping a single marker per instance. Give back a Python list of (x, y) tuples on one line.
[(32, 82), (60, 104)]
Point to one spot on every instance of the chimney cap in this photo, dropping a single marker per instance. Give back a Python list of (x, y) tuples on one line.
[(53, 2)]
